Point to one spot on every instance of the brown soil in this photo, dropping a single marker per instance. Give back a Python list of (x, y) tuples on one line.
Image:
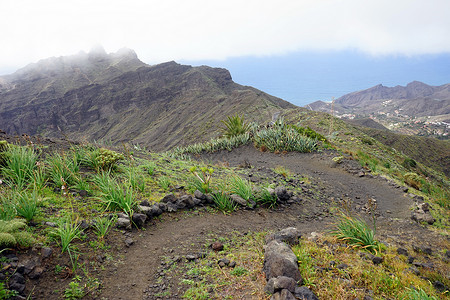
[(132, 271)]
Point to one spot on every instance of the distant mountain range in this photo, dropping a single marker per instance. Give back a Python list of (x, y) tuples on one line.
[(415, 99), (117, 97), (414, 109)]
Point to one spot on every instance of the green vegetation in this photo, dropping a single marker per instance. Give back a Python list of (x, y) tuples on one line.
[(117, 182), (63, 169), (99, 158), (356, 233), (114, 195), (201, 180), (240, 187), (26, 206), (213, 145), (74, 291), (223, 202), (103, 225), (19, 164), (66, 231), (5, 293), (265, 198), (282, 138), (330, 269), (281, 170), (278, 138), (235, 126), (12, 234), (309, 133)]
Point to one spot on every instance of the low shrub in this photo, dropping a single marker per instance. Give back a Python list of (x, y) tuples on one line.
[(108, 158), (413, 180), (99, 158), (409, 163), (279, 139), (309, 133), (213, 145)]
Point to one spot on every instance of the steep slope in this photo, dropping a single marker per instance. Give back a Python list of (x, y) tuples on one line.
[(369, 123), (117, 97)]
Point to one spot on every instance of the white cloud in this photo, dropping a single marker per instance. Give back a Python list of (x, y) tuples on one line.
[(161, 30)]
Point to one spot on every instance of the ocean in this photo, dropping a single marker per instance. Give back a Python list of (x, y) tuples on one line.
[(304, 77)]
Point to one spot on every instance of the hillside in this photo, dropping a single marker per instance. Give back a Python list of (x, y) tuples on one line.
[(116, 97), (417, 108)]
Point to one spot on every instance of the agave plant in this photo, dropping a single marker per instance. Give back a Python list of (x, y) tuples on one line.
[(234, 126)]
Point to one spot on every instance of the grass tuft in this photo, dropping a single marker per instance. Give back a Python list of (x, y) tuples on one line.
[(356, 233)]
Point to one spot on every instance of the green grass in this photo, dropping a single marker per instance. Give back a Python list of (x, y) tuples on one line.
[(265, 198), (356, 233), (103, 225), (114, 195), (7, 206), (26, 205), (164, 182), (418, 294), (318, 264), (223, 202), (19, 164), (67, 230), (63, 169), (240, 187), (280, 138)]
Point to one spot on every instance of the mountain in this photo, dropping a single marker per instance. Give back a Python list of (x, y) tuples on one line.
[(415, 99), (416, 108), (116, 97)]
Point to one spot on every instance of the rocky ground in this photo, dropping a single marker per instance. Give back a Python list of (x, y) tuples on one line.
[(140, 263)]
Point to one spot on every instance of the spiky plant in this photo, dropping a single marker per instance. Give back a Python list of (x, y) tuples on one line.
[(356, 233), (12, 234), (234, 126), (26, 205), (240, 187), (19, 163), (63, 169)]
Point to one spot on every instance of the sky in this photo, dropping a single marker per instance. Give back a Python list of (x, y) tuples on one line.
[(225, 33)]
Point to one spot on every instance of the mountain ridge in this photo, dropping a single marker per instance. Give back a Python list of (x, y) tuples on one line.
[(119, 98)]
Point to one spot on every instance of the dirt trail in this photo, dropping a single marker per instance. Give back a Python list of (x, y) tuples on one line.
[(185, 232)]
